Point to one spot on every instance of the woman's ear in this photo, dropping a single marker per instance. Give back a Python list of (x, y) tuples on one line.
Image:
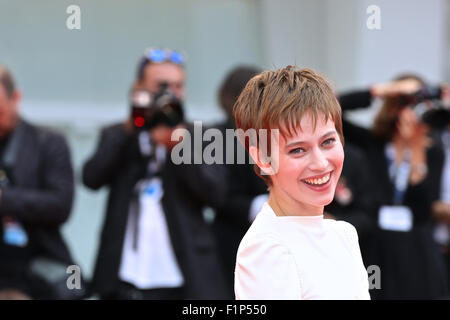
[(265, 166)]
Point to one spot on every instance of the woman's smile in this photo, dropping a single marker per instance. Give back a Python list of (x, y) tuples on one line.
[(318, 180)]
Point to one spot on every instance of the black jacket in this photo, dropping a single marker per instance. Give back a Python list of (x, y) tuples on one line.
[(41, 190), (117, 163), (359, 208), (419, 196), (232, 217)]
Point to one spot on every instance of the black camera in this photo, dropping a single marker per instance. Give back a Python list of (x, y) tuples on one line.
[(426, 93), (150, 110), (438, 117), (428, 106)]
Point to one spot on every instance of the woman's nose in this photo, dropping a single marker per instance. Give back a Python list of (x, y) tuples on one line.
[(318, 160)]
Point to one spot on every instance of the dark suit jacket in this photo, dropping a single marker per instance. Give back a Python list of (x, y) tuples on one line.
[(232, 217), (117, 163), (41, 193)]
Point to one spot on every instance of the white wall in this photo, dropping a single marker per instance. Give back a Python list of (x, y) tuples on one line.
[(446, 55), (293, 33), (411, 39), (332, 37)]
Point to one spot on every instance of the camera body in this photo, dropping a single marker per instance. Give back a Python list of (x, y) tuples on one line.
[(149, 110), (426, 93), (428, 106)]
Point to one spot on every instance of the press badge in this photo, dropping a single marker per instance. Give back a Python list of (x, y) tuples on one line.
[(152, 191), (395, 218), (14, 234)]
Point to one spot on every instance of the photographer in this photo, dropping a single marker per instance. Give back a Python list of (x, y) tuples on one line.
[(440, 118), (36, 192), (155, 243), (405, 167), (246, 192)]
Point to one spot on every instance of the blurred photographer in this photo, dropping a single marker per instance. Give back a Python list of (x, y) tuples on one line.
[(155, 243), (440, 118), (405, 165), (246, 192), (36, 193)]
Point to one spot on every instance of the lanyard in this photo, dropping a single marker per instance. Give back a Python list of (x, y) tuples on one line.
[(154, 168), (401, 181), (399, 173)]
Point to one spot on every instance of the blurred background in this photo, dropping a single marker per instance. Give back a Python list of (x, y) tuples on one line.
[(77, 81)]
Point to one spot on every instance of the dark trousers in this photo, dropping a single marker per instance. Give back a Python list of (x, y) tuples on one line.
[(127, 291)]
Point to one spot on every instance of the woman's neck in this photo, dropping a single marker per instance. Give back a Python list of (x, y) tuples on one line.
[(283, 205), (400, 146)]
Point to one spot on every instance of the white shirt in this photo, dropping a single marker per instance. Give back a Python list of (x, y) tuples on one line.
[(149, 261), (299, 257)]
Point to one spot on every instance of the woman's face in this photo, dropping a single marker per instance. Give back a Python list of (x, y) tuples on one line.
[(310, 163), (407, 123)]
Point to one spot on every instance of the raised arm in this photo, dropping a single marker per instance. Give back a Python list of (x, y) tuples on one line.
[(108, 157)]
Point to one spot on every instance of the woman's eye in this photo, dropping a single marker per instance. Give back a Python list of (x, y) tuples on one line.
[(329, 142), (297, 151)]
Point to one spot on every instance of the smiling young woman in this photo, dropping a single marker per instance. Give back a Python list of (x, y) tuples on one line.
[(310, 163), (291, 251)]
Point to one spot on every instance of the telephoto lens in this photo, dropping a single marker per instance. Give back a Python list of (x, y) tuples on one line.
[(166, 109)]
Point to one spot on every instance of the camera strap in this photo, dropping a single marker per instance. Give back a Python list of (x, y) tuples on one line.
[(145, 145), (146, 185), (397, 217)]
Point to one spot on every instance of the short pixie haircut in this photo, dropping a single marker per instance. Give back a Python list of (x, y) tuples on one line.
[(279, 99)]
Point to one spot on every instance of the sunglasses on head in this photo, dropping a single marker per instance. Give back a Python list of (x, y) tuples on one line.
[(164, 55), (156, 55)]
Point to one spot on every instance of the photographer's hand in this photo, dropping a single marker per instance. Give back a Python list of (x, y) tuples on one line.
[(395, 88), (162, 134)]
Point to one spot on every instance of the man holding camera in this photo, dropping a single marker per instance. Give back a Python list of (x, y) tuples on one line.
[(155, 243)]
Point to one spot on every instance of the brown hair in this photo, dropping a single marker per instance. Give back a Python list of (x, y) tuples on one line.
[(7, 81), (385, 123), (232, 86), (280, 98)]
